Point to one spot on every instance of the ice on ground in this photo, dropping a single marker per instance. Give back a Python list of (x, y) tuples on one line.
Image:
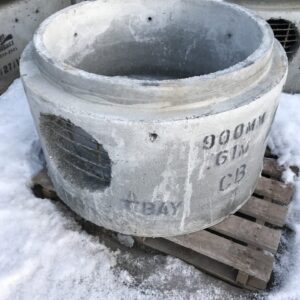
[(44, 254)]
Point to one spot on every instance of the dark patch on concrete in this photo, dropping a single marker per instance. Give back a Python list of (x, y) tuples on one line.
[(149, 83), (78, 156), (153, 136)]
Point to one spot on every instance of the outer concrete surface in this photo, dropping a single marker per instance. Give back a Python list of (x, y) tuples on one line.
[(268, 4), (18, 21), (78, 1), (185, 153), (276, 9)]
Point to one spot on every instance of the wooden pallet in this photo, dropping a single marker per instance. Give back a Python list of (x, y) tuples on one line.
[(241, 249)]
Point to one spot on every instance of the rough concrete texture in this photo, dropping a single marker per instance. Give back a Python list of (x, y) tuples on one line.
[(276, 9), (154, 123), (18, 21)]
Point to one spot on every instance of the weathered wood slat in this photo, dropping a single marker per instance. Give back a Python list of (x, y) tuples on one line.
[(249, 232), (272, 169), (43, 181), (265, 211), (269, 154), (252, 262), (198, 260), (254, 283), (276, 190), (242, 278)]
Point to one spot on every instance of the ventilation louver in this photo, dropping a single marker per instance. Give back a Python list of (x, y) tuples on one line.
[(287, 34)]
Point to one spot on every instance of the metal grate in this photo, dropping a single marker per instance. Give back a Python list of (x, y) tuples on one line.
[(79, 157), (287, 34)]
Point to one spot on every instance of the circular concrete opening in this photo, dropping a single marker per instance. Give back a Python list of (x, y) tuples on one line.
[(200, 38)]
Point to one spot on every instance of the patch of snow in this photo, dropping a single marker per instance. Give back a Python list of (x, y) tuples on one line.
[(285, 142), (285, 135)]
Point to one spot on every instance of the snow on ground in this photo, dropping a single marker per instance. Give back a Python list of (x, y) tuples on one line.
[(45, 255), (285, 142)]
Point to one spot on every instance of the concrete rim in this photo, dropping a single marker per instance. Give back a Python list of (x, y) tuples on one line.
[(53, 66)]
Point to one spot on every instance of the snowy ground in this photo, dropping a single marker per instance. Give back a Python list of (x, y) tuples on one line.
[(45, 255)]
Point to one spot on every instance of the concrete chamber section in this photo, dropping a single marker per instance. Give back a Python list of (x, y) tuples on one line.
[(154, 115), (18, 21), (284, 18)]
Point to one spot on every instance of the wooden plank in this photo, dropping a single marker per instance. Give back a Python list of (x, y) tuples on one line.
[(257, 284), (265, 211), (198, 260), (242, 278), (43, 181), (276, 190), (269, 154), (249, 232), (252, 262), (272, 169)]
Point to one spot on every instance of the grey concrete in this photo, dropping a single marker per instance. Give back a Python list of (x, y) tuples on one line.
[(78, 1), (278, 9), (18, 21), (172, 97)]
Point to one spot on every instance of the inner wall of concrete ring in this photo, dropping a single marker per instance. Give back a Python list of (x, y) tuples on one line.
[(288, 10), (18, 21), (177, 155)]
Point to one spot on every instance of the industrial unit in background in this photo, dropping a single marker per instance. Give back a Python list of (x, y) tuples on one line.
[(18, 21), (284, 18)]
